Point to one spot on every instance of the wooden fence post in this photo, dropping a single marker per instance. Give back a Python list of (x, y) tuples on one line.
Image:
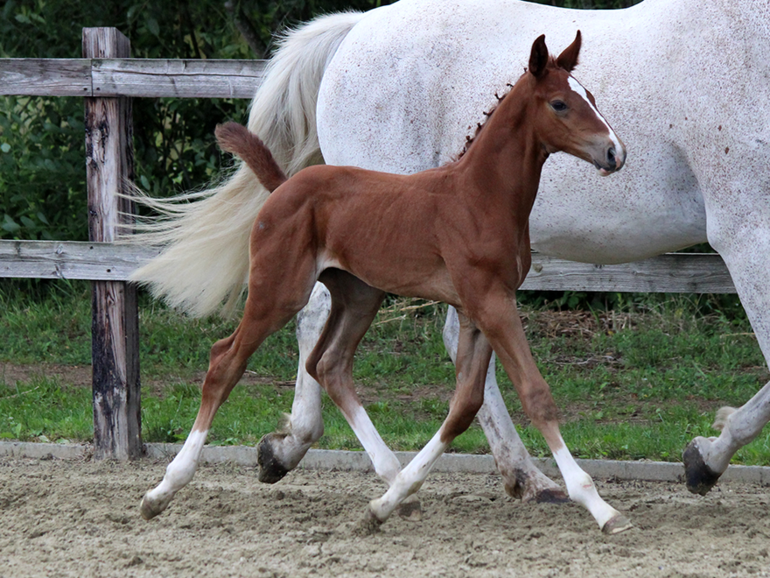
[(115, 321)]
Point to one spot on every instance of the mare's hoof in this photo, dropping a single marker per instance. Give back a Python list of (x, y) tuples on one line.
[(534, 488), (368, 526), (270, 469), (617, 524), (149, 508), (700, 478)]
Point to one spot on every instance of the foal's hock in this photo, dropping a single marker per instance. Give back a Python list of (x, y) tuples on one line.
[(457, 234)]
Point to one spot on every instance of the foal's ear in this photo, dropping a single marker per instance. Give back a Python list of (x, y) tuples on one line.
[(538, 58), (568, 59)]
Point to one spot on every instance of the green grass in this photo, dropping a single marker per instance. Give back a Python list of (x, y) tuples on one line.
[(634, 383)]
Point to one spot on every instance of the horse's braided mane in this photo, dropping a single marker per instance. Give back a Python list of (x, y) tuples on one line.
[(479, 126)]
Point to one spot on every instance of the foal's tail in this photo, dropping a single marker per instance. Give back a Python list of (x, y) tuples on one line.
[(236, 138), (205, 235)]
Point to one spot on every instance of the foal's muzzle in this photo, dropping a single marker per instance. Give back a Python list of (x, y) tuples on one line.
[(612, 161)]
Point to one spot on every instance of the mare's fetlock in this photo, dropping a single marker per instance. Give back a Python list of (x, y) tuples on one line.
[(533, 487)]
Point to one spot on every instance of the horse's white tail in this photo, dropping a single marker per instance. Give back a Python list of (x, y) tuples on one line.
[(205, 235)]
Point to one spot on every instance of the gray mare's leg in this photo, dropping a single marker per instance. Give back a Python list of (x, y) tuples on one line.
[(522, 479), (743, 240), (281, 451)]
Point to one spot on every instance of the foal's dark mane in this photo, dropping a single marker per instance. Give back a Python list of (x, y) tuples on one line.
[(469, 140), (480, 126)]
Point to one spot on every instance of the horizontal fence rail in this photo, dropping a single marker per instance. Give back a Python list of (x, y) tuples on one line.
[(71, 260), (671, 273), (135, 77)]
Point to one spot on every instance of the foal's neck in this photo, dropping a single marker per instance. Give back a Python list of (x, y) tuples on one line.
[(506, 158)]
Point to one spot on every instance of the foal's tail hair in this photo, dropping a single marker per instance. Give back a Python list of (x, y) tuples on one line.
[(236, 138), (204, 236)]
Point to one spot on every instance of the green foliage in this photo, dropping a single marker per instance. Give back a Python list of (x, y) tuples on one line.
[(42, 177)]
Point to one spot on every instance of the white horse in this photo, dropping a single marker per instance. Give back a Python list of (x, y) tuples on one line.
[(399, 88)]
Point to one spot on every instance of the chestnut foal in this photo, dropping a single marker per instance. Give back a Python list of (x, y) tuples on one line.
[(456, 234)]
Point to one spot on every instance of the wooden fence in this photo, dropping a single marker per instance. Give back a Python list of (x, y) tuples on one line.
[(107, 79)]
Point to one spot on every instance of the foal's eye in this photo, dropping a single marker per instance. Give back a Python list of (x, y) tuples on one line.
[(558, 106)]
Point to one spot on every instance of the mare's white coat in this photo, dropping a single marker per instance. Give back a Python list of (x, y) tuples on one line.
[(686, 82)]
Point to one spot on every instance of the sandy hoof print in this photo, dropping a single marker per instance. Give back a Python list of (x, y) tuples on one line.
[(369, 525)]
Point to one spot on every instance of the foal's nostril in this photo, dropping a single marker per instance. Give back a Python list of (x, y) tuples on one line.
[(611, 157)]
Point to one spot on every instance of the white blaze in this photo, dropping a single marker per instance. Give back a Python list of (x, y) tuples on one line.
[(578, 88)]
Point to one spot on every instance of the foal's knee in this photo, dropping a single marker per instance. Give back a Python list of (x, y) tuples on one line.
[(539, 406)]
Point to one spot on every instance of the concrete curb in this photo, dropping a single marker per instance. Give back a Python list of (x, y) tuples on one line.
[(359, 461)]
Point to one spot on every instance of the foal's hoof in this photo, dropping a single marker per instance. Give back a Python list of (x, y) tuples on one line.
[(270, 469), (700, 478), (149, 508), (617, 524)]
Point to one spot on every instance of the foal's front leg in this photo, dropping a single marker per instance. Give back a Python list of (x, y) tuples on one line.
[(498, 317), (473, 355), (522, 479)]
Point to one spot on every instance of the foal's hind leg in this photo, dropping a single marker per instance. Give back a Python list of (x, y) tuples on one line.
[(272, 302), (280, 452), (473, 355), (354, 305), (226, 366), (522, 479)]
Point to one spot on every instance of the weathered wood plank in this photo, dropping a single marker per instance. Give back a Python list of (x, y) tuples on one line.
[(45, 76), (177, 78), (134, 77), (670, 273), (70, 260), (115, 317), (673, 273)]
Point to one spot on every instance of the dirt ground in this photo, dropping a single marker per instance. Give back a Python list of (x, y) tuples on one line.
[(70, 518)]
